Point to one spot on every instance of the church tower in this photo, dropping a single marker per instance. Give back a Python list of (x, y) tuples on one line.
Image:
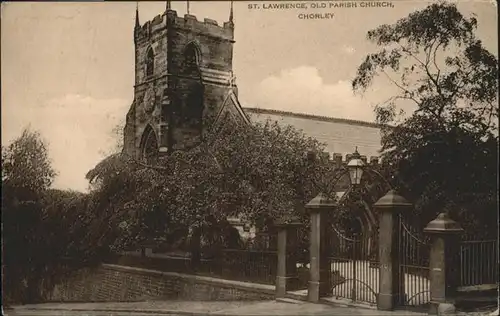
[(184, 83)]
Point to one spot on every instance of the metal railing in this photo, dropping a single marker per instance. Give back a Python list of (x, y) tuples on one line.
[(257, 266), (478, 262)]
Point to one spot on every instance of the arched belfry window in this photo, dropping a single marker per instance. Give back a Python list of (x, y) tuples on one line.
[(150, 62), (191, 57), (149, 146)]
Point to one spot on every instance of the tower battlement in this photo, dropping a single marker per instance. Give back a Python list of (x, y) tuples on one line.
[(207, 27), (188, 22), (341, 160)]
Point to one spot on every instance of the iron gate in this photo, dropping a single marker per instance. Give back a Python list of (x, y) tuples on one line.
[(414, 254), (354, 266)]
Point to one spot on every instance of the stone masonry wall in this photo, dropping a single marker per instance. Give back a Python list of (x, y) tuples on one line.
[(113, 283), (167, 88)]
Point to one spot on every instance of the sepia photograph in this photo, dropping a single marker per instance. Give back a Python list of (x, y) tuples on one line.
[(250, 157)]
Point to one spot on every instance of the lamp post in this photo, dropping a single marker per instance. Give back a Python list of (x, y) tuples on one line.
[(390, 205), (319, 207), (355, 167)]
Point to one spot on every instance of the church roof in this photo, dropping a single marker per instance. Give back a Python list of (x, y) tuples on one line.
[(337, 134), (231, 105)]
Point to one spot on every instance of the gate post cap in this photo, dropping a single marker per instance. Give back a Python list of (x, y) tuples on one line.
[(321, 201), (443, 224), (287, 221), (391, 200)]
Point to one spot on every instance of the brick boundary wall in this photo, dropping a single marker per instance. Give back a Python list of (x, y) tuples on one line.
[(114, 283)]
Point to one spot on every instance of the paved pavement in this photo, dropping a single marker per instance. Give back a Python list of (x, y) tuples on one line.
[(199, 308), (229, 308)]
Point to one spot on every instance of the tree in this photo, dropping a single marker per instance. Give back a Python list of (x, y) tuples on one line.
[(257, 173), (26, 175), (46, 231), (65, 220), (26, 165), (443, 154)]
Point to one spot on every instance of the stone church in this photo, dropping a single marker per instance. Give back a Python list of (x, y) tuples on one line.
[(184, 84)]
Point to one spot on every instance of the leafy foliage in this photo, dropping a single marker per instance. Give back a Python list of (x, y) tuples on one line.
[(26, 176), (46, 232), (256, 173), (443, 154), (26, 165)]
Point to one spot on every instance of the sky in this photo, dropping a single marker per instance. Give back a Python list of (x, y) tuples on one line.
[(68, 67)]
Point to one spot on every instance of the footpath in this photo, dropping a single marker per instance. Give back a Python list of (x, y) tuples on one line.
[(228, 308), (199, 308)]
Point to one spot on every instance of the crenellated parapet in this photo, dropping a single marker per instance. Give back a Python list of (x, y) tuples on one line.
[(207, 27), (339, 159), (154, 27), (188, 22)]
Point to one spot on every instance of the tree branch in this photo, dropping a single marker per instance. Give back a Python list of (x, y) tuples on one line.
[(400, 97), (428, 50), (434, 61), (410, 94), (433, 80), (404, 49), (425, 66)]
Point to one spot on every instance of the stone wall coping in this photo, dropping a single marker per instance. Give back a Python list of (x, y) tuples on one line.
[(269, 289)]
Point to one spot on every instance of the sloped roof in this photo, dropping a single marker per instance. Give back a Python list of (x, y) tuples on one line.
[(231, 105), (338, 135)]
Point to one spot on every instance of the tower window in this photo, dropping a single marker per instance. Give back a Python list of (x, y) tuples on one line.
[(191, 57), (150, 62)]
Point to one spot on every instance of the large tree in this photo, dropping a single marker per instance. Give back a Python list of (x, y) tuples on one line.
[(44, 227), (257, 173), (442, 154), (26, 176)]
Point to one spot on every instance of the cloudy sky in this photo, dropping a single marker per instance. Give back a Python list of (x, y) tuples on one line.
[(68, 68)]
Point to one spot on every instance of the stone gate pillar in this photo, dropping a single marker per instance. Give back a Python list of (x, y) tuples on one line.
[(445, 234), (389, 207), (320, 209), (287, 276)]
